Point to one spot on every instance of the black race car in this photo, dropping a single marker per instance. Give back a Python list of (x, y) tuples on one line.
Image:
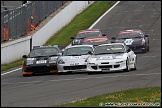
[(77, 40), (137, 40), (41, 59)]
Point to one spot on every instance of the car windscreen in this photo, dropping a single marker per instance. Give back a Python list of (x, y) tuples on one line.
[(95, 41), (109, 49), (77, 51), (129, 35), (44, 52), (87, 34)]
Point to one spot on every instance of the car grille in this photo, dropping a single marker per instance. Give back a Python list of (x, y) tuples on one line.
[(75, 67), (105, 66), (105, 63), (108, 66), (136, 47), (41, 69)]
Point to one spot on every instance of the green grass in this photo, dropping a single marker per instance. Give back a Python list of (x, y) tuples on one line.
[(82, 21), (11, 65), (136, 96)]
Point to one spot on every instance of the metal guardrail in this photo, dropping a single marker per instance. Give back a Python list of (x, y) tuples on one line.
[(20, 21)]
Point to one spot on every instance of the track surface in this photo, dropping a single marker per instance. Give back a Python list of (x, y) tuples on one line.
[(48, 90)]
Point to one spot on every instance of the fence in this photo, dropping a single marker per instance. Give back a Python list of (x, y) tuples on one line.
[(19, 22)]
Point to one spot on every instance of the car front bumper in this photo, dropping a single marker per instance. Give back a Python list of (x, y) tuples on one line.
[(72, 67), (103, 67)]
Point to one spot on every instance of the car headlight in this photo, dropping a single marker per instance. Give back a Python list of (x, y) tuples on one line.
[(29, 62), (119, 62), (52, 60), (143, 41), (61, 61), (91, 63)]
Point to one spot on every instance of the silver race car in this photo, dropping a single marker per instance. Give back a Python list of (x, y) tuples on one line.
[(111, 57), (74, 58)]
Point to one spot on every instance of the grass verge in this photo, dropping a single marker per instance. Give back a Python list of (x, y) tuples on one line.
[(81, 21), (148, 97)]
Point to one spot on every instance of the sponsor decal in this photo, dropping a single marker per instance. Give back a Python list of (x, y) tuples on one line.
[(105, 57), (72, 64), (30, 58)]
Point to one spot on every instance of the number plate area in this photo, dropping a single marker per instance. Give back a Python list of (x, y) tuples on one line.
[(41, 61)]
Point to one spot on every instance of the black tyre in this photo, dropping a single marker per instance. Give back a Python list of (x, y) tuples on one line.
[(127, 67), (62, 73), (135, 68), (25, 75), (148, 49), (145, 50)]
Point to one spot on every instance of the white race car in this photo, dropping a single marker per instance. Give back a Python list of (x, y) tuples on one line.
[(111, 57), (74, 58)]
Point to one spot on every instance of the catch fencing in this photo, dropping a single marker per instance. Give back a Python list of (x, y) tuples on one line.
[(19, 22)]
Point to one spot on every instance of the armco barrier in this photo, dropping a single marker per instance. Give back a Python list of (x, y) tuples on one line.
[(13, 50)]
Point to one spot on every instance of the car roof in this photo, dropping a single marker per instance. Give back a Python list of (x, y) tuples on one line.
[(95, 38), (130, 31), (88, 30)]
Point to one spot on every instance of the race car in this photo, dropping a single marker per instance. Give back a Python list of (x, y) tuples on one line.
[(96, 41), (111, 57), (137, 40), (77, 40), (41, 59), (73, 59)]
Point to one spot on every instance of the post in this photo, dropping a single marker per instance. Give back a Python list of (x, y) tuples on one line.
[(31, 43)]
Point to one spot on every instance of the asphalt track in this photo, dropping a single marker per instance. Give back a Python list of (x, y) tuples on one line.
[(48, 90)]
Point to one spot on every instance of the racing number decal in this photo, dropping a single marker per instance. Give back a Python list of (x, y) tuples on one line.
[(128, 41)]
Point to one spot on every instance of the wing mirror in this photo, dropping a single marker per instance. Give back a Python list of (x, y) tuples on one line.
[(103, 34), (89, 52), (146, 35), (129, 50), (24, 56), (113, 38), (72, 38)]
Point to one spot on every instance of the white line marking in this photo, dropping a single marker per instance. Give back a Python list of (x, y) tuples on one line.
[(84, 78), (103, 15), (10, 71)]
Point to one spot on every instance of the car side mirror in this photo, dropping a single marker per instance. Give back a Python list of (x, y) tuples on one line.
[(89, 52), (72, 38), (146, 35), (103, 34), (113, 38), (24, 56), (129, 50)]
